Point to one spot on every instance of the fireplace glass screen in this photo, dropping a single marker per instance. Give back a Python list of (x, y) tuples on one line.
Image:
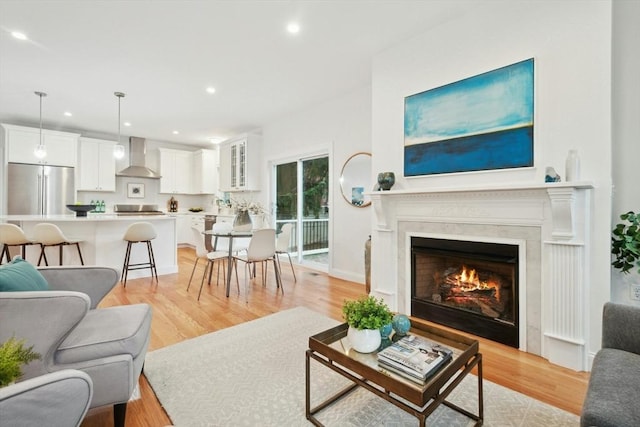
[(467, 285)]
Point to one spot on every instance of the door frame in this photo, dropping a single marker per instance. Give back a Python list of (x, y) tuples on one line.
[(298, 158)]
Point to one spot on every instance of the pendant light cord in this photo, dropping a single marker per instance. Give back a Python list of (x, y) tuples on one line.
[(119, 149), (119, 99), (41, 95), (40, 150)]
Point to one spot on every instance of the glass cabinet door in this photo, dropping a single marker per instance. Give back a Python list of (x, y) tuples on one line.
[(234, 168), (242, 165)]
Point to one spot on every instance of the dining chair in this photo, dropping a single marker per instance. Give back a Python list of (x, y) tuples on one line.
[(47, 234), (262, 247), (12, 235), (211, 257), (282, 246)]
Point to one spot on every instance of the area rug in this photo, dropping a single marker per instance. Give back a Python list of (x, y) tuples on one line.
[(253, 374)]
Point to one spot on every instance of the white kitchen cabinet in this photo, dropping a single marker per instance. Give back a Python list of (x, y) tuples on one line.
[(185, 222), (20, 143), (224, 168), (176, 170), (183, 229), (205, 172), (97, 165), (240, 163)]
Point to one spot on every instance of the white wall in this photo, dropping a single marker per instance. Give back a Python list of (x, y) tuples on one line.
[(571, 45), (626, 127), (340, 127)]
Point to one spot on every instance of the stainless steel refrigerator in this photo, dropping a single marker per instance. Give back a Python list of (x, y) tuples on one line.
[(39, 190)]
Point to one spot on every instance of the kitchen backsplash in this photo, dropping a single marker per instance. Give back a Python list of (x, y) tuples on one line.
[(151, 196)]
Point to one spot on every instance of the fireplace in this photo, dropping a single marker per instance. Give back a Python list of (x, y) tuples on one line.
[(550, 224), (468, 285)]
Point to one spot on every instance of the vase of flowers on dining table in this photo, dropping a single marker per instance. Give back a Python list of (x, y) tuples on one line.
[(249, 215)]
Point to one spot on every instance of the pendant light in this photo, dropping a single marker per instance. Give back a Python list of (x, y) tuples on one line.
[(41, 150), (118, 150)]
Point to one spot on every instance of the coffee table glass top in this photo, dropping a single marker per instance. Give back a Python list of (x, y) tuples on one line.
[(334, 345)]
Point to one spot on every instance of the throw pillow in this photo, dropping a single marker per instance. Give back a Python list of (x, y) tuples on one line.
[(19, 275)]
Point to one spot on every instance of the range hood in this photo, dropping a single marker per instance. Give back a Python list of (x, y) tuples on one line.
[(137, 168)]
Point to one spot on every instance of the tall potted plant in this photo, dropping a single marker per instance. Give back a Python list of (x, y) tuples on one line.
[(625, 243), (365, 316)]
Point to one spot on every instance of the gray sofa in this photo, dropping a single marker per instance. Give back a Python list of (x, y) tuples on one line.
[(65, 326), (58, 399), (613, 394)]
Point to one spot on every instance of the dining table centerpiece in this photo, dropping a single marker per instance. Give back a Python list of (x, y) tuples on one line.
[(257, 214), (365, 317), (249, 215), (242, 220)]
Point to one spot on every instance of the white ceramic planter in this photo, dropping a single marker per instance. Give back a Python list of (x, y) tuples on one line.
[(364, 340)]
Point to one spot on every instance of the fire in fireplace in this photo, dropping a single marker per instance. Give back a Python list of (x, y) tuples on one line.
[(471, 286)]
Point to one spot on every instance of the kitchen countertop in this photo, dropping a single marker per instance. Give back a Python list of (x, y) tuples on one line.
[(191, 213), (88, 218), (102, 241)]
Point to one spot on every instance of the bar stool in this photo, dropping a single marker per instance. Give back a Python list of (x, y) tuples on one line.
[(139, 232), (12, 235), (46, 234)]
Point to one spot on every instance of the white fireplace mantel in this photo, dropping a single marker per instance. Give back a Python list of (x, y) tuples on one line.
[(556, 214), (562, 195)]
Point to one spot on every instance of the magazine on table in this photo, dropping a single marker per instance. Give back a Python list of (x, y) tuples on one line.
[(403, 372), (415, 356)]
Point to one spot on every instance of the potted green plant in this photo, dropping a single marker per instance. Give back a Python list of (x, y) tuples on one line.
[(365, 316), (13, 355), (625, 243)]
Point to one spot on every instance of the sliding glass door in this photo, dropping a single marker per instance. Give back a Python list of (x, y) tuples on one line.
[(302, 198)]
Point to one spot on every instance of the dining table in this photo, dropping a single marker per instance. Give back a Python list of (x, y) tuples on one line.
[(230, 235)]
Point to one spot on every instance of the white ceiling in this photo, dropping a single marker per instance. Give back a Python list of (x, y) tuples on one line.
[(163, 54)]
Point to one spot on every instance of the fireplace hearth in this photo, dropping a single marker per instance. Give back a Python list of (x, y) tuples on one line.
[(468, 285)]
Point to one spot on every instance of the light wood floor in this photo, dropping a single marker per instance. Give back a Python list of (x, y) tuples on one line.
[(177, 316)]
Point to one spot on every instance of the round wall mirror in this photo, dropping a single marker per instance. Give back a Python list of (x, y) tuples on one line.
[(355, 179)]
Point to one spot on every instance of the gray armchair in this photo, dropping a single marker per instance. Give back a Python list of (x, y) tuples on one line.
[(65, 327), (58, 399), (614, 386)]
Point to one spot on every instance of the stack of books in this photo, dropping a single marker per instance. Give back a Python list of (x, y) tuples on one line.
[(415, 358)]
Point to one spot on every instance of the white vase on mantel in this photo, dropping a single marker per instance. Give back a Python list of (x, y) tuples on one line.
[(572, 166), (364, 340)]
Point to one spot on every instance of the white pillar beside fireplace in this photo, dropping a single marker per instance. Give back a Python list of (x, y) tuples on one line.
[(553, 220)]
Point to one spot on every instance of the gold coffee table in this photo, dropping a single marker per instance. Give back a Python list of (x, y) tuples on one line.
[(331, 348)]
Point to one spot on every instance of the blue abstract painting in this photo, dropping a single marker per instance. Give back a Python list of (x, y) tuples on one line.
[(479, 123)]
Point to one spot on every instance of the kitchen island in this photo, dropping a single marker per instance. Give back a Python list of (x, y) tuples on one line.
[(102, 240)]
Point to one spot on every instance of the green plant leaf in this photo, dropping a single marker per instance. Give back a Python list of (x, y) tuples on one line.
[(366, 313), (13, 354)]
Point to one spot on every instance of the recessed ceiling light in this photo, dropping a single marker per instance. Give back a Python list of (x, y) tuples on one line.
[(175, 132), (68, 114), (127, 123), (211, 89), (216, 140), (293, 27), (18, 35)]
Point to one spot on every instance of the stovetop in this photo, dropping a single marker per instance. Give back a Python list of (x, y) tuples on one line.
[(137, 210)]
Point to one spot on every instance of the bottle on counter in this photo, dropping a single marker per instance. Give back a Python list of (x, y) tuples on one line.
[(173, 205), (94, 204), (102, 206)]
